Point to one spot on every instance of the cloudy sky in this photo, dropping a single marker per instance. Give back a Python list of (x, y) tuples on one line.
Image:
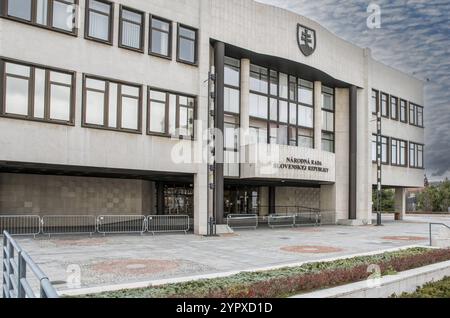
[(415, 38)]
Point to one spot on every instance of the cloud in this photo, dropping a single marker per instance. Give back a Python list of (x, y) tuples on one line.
[(414, 38)]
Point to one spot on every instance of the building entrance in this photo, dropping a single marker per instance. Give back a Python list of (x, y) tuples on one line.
[(178, 200), (241, 200)]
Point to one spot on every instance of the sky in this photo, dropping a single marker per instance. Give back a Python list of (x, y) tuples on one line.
[(414, 37)]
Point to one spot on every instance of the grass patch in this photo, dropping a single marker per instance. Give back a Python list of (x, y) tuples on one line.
[(286, 282), (440, 289)]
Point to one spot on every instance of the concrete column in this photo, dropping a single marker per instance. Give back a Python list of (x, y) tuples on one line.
[(201, 201), (318, 115), (400, 202), (245, 109), (353, 153)]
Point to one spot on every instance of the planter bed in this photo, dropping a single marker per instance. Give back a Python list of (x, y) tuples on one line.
[(287, 282), (440, 289)]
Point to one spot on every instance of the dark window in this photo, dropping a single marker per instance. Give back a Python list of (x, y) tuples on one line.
[(384, 105), (57, 15), (403, 111), (394, 108), (37, 93), (232, 97), (99, 20), (328, 111), (111, 104), (131, 32), (170, 114), (398, 152), (187, 44), (415, 115), (384, 149), (160, 37), (416, 155)]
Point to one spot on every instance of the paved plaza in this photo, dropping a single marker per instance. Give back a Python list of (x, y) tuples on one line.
[(125, 259)]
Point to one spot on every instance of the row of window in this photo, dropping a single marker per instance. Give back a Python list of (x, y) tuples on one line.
[(395, 152), (59, 15), (46, 94), (396, 109)]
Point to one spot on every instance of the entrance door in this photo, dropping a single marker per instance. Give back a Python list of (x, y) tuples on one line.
[(241, 200), (179, 200)]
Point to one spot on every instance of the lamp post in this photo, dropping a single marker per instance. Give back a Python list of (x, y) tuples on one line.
[(379, 167)]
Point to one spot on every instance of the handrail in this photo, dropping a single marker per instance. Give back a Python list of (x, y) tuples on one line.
[(15, 283), (431, 228)]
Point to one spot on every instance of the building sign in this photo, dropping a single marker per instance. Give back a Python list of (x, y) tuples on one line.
[(302, 164), (306, 39)]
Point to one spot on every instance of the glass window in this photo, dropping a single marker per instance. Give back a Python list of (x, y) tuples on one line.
[(99, 19), (161, 36), (232, 100), (41, 12), (283, 111), (374, 148), (258, 132), (327, 98), (305, 138), (258, 79), (394, 108), (121, 112), (187, 44), (20, 9), (306, 92), (394, 152), (157, 112), (293, 114), (403, 111), (402, 155), (384, 105), (283, 85), (306, 116), (375, 99), (52, 90), (273, 83), (232, 72), (385, 150), (131, 29), (419, 116), (328, 142), (327, 121), (292, 88), (416, 155), (258, 106), (63, 14), (273, 109)]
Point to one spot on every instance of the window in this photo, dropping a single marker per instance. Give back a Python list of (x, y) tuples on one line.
[(258, 132), (58, 15), (258, 79), (384, 105), (170, 114), (375, 101), (160, 43), (187, 44), (131, 30), (327, 119), (111, 104), (403, 111), (374, 148), (415, 115), (394, 108), (99, 20), (37, 93), (398, 152), (232, 84), (384, 149), (416, 155), (231, 146)]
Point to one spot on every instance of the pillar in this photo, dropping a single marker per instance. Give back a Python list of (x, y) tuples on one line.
[(353, 163), (400, 202)]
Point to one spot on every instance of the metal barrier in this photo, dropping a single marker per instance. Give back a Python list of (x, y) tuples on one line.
[(242, 221), (168, 223), (68, 225), (121, 224), (20, 224), (281, 221), (308, 219), (15, 283)]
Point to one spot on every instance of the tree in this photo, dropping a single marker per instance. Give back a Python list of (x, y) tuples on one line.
[(387, 200), (435, 198)]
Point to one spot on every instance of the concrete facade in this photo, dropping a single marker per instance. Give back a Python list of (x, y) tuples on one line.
[(239, 24)]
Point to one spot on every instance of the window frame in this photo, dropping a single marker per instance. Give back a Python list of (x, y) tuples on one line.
[(377, 106), (49, 25), (334, 116), (388, 105), (416, 155), (110, 40), (398, 152), (414, 120), (141, 28), (31, 90), (405, 121), (397, 112), (196, 44), (170, 34), (167, 123), (106, 105)]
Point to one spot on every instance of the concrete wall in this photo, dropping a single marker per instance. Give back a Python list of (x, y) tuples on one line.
[(62, 195), (301, 197)]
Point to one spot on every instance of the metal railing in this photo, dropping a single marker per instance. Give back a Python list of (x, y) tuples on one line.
[(68, 225), (242, 221), (20, 224), (121, 224), (431, 230), (15, 282), (168, 223), (275, 220)]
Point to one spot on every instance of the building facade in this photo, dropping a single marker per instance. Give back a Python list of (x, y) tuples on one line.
[(101, 101)]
